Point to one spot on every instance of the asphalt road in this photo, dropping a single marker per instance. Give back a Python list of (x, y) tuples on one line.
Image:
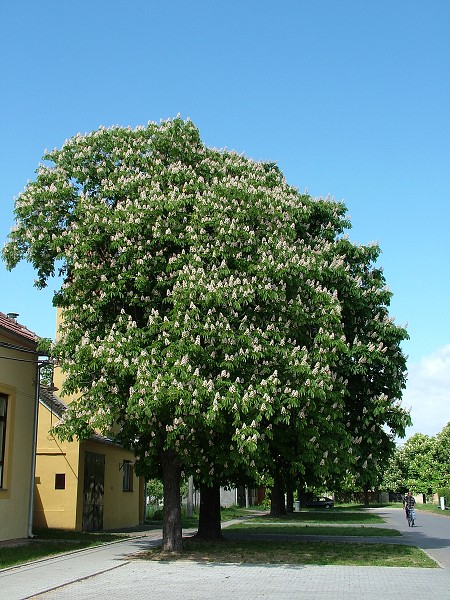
[(431, 532)]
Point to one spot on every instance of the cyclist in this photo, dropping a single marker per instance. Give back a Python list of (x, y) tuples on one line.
[(408, 504)]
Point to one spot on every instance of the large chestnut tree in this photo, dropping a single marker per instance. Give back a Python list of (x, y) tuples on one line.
[(207, 309)]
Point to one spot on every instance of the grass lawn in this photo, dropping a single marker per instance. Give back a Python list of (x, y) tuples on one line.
[(298, 553), (336, 521), (322, 516), (51, 542), (429, 507), (345, 521), (433, 508), (336, 530)]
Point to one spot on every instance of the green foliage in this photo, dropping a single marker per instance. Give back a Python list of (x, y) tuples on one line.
[(155, 491), (264, 505), (415, 466), (445, 493), (211, 311), (154, 514), (422, 464), (442, 457), (394, 476), (233, 512)]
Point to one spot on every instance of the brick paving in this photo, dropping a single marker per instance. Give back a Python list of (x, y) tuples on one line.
[(193, 581)]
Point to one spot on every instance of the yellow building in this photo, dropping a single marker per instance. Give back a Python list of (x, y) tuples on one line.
[(18, 381), (89, 485)]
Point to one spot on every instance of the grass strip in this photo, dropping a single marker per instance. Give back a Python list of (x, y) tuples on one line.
[(77, 536), (52, 542), (433, 508), (329, 516), (297, 553), (335, 530)]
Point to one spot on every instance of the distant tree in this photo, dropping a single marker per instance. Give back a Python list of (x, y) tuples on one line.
[(442, 456), (375, 368), (357, 444), (422, 467), (414, 466), (155, 491), (422, 464), (395, 475)]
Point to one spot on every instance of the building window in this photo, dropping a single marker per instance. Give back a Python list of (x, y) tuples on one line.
[(3, 409), (127, 476), (60, 481)]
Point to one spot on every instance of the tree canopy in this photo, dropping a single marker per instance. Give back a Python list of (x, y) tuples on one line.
[(215, 319), (421, 464)]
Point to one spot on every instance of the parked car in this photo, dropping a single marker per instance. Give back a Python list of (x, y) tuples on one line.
[(322, 502)]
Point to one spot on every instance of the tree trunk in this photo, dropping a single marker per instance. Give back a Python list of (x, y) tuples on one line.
[(209, 522), (366, 496), (301, 495), (172, 535), (289, 499), (277, 505)]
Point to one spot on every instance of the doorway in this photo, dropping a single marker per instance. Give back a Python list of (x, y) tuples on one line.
[(93, 491)]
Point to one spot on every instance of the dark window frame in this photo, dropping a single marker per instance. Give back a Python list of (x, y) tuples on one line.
[(128, 472), (60, 481)]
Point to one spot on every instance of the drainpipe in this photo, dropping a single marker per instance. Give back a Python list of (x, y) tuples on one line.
[(34, 448)]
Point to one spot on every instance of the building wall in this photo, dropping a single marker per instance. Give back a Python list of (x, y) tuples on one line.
[(228, 497), (120, 508), (18, 382), (238, 496), (55, 508), (63, 508)]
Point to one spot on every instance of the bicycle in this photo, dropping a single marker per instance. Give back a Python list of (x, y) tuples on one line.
[(411, 516)]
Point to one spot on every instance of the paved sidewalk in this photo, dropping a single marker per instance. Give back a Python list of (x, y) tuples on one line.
[(109, 571), (193, 581), (25, 581)]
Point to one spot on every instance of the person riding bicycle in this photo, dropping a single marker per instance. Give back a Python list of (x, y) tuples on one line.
[(408, 504)]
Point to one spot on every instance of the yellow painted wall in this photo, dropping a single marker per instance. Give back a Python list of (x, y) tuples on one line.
[(58, 376), (64, 508), (18, 382), (55, 507), (120, 509)]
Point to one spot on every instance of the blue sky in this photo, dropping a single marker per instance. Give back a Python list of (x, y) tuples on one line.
[(350, 98)]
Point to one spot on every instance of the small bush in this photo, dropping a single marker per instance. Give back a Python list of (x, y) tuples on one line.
[(154, 514)]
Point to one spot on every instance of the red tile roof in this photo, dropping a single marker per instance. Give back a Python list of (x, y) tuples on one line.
[(11, 326)]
